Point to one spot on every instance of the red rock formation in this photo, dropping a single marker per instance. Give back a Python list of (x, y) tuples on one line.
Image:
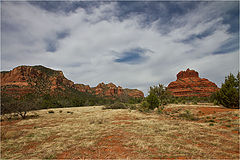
[(111, 90), (134, 93), (39, 79), (187, 74), (82, 88), (32, 79), (188, 84)]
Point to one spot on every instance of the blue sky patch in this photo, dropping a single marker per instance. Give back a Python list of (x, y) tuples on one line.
[(133, 56), (230, 46), (62, 35), (51, 45)]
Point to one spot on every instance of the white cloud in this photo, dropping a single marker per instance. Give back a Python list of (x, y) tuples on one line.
[(87, 55)]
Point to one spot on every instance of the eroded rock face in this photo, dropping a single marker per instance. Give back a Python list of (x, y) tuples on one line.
[(189, 83), (134, 93), (39, 79), (82, 88), (29, 79), (111, 90)]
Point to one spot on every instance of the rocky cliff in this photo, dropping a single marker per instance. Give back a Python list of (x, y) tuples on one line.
[(29, 79), (189, 83), (111, 90), (42, 80)]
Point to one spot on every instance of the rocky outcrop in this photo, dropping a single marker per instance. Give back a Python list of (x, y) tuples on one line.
[(37, 79), (134, 93), (189, 83), (83, 88), (111, 90), (41, 80)]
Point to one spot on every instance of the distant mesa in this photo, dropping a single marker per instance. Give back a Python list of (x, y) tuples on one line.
[(189, 84), (109, 90), (42, 80)]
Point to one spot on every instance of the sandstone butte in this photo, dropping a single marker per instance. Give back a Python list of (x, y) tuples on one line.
[(42, 80), (189, 84)]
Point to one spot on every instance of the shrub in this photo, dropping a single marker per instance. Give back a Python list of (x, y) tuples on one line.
[(215, 102), (183, 101), (152, 101), (188, 116), (131, 106), (228, 95), (51, 111), (117, 105), (160, 110), (211, 124), (194, 102), (70, 112), (163, 95), (144, 107)]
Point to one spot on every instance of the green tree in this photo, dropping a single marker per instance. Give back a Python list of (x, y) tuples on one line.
[(228, 95), (162, 94), (153, 101)]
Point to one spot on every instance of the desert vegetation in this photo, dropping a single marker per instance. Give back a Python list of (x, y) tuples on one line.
[(23, 104), (175, 131), (228, 95)]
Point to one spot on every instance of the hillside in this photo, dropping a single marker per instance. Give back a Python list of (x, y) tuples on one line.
[(42, 80)]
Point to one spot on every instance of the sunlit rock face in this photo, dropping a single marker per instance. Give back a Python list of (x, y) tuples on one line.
[(111, 90), (189, 84), (42, 80)]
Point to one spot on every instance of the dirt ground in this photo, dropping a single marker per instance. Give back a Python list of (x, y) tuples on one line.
[(178, 132)]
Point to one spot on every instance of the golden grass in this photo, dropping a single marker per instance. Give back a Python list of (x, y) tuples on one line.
[(90, 132)]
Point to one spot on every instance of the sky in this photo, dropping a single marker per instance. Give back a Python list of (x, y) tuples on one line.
[(132, 44)]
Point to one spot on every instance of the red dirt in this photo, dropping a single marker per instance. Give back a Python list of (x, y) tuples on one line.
[(124, 117), (213, 110), (31, 145), (235, 118), (12, 122), (235, 132), (108, 147)]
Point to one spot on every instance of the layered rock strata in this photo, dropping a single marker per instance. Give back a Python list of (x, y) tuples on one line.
[(189, 84), (39, 79)]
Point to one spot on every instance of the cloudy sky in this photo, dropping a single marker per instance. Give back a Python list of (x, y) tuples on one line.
[(132, 44)]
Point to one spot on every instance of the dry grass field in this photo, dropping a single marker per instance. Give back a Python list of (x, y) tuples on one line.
[(179, 132)]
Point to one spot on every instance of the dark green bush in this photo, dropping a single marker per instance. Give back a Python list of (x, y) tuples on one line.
[(70, 112), (183, 101), (144, 107), (160, 110), (163, 95), (228, 95), (131, 106), (152, 101), (215, 102), (188, 116), (51, 111), (194, 102)]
